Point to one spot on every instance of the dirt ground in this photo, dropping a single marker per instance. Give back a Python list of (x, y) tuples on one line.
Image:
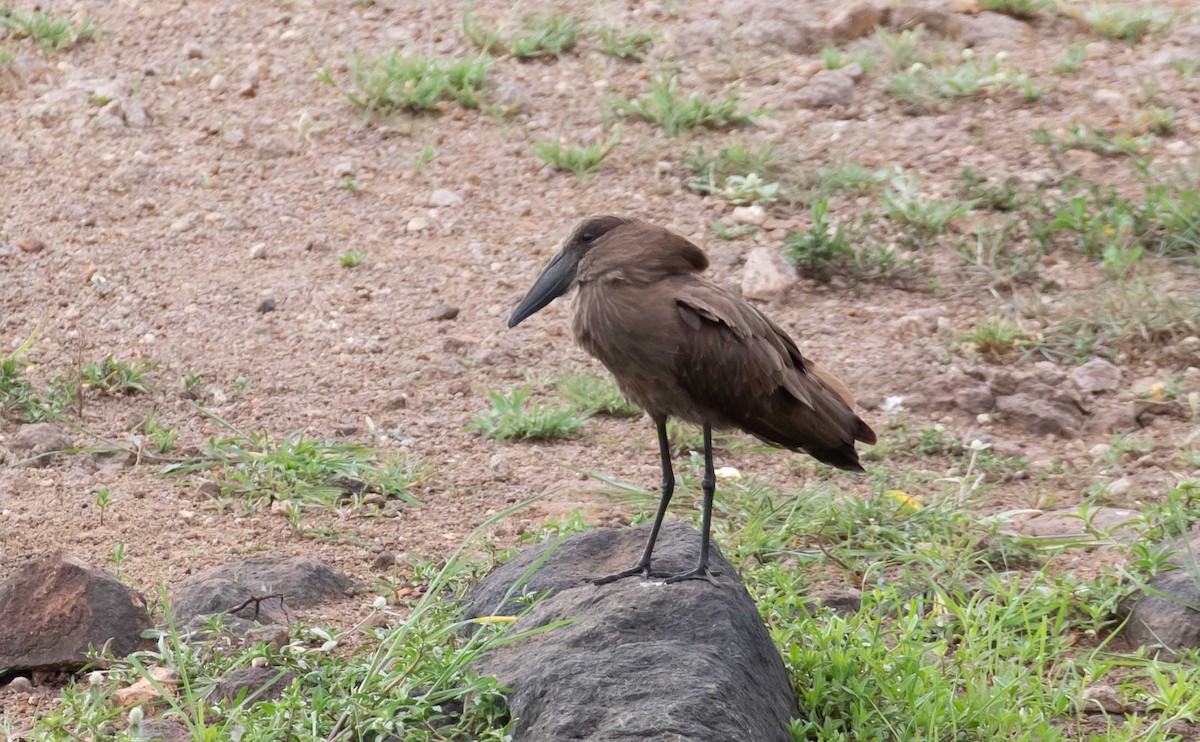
[(163, 237)]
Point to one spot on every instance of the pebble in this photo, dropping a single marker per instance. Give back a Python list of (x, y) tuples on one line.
[(30, 245), (20, 684), (258, 251), (1120, 487), (766, 274), (444, 312), (217, 82), (753, 214), (1099, 698), (499, 466), (185, 223), (443, 197), (344, 169), (417, 224)]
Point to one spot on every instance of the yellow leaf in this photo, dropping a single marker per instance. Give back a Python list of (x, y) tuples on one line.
[(904, 499), (495, 619)]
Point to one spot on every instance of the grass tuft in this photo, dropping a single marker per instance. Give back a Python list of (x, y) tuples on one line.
[(676, 112), (510, 419), (634, 45), (50, 32), (1121, 22), (582, 161), (544, 36), (596, 394), (398, 81), (111, 376)]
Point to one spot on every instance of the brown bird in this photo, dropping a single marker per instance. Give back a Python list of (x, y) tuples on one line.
[(681, 346)]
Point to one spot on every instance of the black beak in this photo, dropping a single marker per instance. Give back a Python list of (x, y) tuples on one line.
[(553, 283)]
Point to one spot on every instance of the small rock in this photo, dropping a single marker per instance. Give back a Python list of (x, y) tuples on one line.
[(444, 312), (499, 466), (1097, 375), (1102, 698), (752, 214), (1072, 523), (993, 32), (217, 83), (185, 223), (856, 20), (937, 18), (943, 326), (30, 245), (854, 70), (975, 399), (1097, 49), (267, 305), (257, 684), (443, 197), (846, 601), (827, 88), (344, 169), (274, 634), (383, 560), (143, 691), (766, 274), (418, 224), (1112, 99), (56, 608), (193, 51), (37, 442), (258, 251), (1121, 487), (162, 729), (20, 684), (300, 581)]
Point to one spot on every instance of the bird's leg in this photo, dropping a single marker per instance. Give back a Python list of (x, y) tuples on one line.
[(668, 488), (701, 571)]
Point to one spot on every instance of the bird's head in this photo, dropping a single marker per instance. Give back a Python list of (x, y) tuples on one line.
[(559, 274)]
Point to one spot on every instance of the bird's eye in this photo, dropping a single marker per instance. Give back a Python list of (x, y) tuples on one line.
[(587, 236)]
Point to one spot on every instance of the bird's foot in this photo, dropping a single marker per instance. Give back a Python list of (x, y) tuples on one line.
[(699, 573), (637, 569)]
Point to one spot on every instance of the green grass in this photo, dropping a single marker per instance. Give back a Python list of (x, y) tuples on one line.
[(548, 35), (677, 112), (580, 160), (904, 204), (923, 89), (260, 468), (1023, 9), (353, 259), (511, 419), (905, 48), (400, 81), (21, 400), (733, 164), (596, 394), (847, 177), (52, 33), (823, 249), (835, 59), (1122, 22), (633, 45), (996, 338), (111, 376), (1073, 58)]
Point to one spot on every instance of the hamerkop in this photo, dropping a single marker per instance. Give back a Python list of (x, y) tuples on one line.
[(681, 346)]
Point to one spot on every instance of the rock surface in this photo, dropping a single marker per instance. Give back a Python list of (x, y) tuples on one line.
[(827, 88), (36, 442), (766, 275), (1165, 615), (642, 659), (1097, 375), (55, 608), (296, 582), (258, 683)]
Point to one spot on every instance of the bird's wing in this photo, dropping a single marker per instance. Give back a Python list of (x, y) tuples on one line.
[(739, 361)]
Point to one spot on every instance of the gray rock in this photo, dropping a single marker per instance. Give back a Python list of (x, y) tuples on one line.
[(783, 24), (827, 88), (1097, 375), (1040, 416), (642, 659), (975, 399), (443, 197), (993, 32), (1102, 699), (1165, 615), (37, 442), (766, 274), (857, 20), (258, 683), (296, 582), (936, 17), (444, 312), (1074, 523), (846, 601), (160, 729), (55, 608)]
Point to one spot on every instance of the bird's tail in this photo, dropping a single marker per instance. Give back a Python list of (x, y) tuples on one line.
[(844, 457)]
